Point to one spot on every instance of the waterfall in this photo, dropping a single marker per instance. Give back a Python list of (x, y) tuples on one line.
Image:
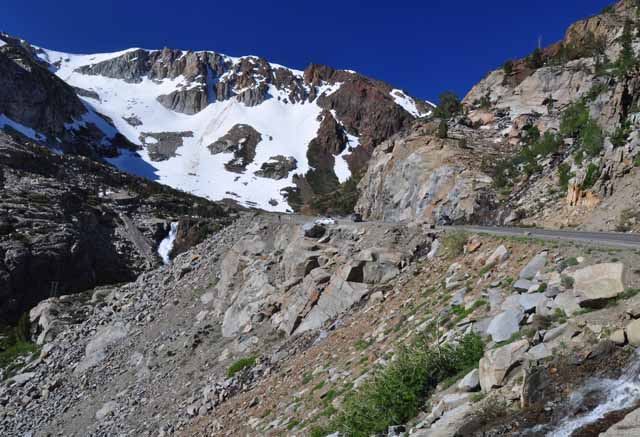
[(613, 394), (167, 244)]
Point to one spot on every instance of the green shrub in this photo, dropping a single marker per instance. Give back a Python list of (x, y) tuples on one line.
[(595, 91), (443, 129), (448, 106), (592, 138), (620, 135), (573, 120), (240, 365), (567, 281), (396, 393), (590, 179), (535, 59), (507, 67), (626, 59), (564, 175)]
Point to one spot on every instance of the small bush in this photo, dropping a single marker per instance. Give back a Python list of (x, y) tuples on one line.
[(573, 120), (448, 106), (592, 138), (443, 129), (620, 135), (396, 393), (507, 67), (535, 60), (564, 175), (240, 365), (590, 179), (453, 243), (567, 281)]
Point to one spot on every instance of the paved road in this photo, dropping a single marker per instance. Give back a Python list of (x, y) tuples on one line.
[(606, 239), (609, 239)]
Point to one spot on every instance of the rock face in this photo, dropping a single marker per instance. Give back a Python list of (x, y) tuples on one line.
[(69, 223), (241, 140), (163, 145), (419, 177), (278, 167), (496, 363), (33, 97)]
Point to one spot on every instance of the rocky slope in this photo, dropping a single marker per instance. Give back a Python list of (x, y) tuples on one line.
[(260, 330), (69, 223), (549, 140), (175, 106)]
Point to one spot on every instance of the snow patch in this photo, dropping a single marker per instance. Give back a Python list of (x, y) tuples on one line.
[(24, 130), (407, 103)]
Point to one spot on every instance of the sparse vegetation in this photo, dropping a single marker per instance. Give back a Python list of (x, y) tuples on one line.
[(443, 129), (507, 67), (396, 393), (564, 176), (535, 60), (453, 243), (240, 365), (448, 106)]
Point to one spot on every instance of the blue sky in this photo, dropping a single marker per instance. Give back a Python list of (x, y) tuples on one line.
[(424, 47)]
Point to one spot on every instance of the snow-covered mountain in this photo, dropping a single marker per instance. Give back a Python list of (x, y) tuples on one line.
[(226, 127)]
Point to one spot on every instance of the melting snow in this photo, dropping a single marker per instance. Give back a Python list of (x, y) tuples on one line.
[(407, 103)]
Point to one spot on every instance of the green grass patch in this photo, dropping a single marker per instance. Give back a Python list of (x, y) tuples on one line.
[(240, 365), (453, 243)]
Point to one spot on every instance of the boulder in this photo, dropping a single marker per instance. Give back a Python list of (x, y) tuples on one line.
[(538, 352), (523, 285), (618, 337), (313, 230), (505, 324), (471, 382), (496, 363), (498, 256), (534, 266), (567, 302), (599, 282), (627, 427), (633, 333)]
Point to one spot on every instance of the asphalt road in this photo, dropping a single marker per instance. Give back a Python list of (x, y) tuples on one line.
[(609, 239), (606, 239)]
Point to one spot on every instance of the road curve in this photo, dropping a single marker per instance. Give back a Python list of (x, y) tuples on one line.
[(609, 239)]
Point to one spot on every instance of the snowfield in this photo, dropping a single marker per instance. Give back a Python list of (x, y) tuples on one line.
[(286, 129)]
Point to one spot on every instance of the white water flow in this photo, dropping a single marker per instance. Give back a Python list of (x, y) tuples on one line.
[(615, 395), (167, 244)]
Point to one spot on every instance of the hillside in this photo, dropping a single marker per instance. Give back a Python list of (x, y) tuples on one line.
[(550, 140)]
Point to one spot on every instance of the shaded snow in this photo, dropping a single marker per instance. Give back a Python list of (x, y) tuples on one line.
[(24, 130)]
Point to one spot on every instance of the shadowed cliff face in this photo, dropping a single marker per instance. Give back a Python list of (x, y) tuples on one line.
[(68, 224)]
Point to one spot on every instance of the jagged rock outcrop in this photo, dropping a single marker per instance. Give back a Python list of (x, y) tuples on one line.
[(419, 177), (278, 167), (241, 140), (163, 145), (68, 224)]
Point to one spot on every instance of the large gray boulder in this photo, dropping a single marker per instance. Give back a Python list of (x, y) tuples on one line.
[(600, 281), (633, 333), (496, 363), (534, 266), (498, 256), (505, 324)]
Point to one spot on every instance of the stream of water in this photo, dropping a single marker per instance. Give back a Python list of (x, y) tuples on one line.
[(166, 245)]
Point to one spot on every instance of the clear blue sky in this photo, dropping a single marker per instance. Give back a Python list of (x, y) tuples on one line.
[(422, 46)]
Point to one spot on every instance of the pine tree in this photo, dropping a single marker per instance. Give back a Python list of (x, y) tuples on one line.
[(626, 59)]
